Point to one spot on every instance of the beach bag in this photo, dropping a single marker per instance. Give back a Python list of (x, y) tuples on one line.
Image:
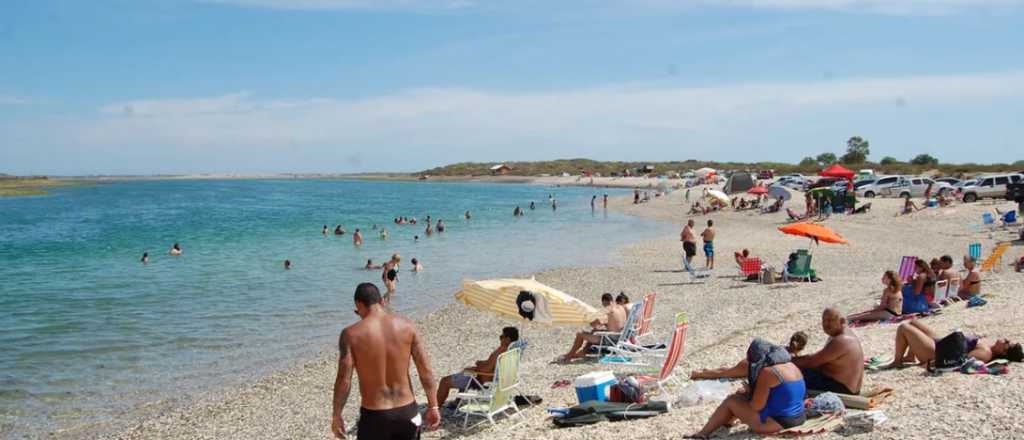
[(627, 391), (767, 276), (950, 352)]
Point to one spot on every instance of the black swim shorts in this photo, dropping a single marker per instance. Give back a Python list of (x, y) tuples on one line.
[(690, 248), (402, 423)]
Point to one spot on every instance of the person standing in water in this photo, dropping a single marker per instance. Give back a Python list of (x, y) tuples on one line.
[(440, 225), (709, 244), (338, 230), (324, 231), (383, 233), (379, 349), (468, 216), (430, 229), (287, 264), (176, 250), (606, 201), (145, 258), (390, 276), (532, 206), (357, 238), (554, 204), (593, 203)]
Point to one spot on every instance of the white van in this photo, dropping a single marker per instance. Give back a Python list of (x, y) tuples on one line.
[(993, 186)]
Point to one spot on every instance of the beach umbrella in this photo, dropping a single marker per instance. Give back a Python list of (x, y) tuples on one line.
[(527, 300), (757, 190), (775, 192), (815, 232), (720, 196)]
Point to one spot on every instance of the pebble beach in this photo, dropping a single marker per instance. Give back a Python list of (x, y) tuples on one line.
[(725, 313)]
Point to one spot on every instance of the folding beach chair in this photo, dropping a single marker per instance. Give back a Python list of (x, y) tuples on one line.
[(696, 274), (614, 339), (644, 329), (498, 397), (974, 250), (907, 268), (801, 267), (988, 220), (1009, 219), (993, 261), (941, 292), (750, 267), (665, 375)]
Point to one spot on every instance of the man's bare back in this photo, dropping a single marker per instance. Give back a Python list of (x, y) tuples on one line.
[(848, 367), (708, 234), (379, 347)]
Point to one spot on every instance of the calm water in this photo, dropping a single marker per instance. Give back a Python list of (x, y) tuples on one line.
[(87, 332)]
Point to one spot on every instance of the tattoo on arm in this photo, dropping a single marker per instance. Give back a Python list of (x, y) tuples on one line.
[(343, 383), (422, 361)]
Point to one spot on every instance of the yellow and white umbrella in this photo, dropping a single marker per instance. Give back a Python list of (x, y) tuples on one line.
[(716, 194), (553, 306)]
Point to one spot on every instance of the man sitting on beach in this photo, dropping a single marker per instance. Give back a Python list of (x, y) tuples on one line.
[(839, 366), (614, 321), (379, 348), (481, 371)]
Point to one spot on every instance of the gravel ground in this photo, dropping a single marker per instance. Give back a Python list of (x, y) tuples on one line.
[(725, 314)]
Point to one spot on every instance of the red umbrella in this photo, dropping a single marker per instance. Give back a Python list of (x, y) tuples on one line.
[(758, 190)]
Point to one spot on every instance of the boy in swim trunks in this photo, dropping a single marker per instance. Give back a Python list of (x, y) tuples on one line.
[(709, 244)]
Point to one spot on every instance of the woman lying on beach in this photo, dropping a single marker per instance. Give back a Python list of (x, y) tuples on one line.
[(971, 285), (915, 342), (776, 401), (891, 304)]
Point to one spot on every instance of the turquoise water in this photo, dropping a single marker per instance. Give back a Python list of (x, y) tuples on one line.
[(88, 333)]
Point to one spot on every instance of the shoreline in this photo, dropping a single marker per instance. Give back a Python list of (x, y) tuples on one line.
[(724, 314)]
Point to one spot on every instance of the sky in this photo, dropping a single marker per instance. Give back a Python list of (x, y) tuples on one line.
[(339, 86)]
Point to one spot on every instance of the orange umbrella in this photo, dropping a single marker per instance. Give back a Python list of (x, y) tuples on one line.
[(757, 190), (815, 232)]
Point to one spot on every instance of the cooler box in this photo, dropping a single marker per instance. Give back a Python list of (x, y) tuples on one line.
[(594, 386)]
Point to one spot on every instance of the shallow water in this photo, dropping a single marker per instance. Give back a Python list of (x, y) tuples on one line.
[(87, 332)]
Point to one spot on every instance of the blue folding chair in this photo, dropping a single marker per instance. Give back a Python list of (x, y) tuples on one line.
[(974, 250), (1010, 218), (987, 219)]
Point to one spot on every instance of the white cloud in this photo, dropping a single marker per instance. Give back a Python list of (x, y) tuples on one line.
[(415, 5), (926, 7), (485, 122)]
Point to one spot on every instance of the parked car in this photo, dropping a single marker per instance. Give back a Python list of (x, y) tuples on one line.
[(824, 182), (861, 183), (1015, 193), (915, 187), (950, 180), (766, 175), (990, 187), (791, 181), (875, 188)]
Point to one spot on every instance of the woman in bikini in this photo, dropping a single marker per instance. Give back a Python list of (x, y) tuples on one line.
[(921, 291), (389, 276), (971, 285), (891, 304), (915, 343)]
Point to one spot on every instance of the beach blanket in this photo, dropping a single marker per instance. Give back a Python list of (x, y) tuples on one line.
[(866, 400), (997, 367), (817, 425), (588, 413)]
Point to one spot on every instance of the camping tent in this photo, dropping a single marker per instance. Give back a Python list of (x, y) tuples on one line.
[(737, 183), (837, 170)]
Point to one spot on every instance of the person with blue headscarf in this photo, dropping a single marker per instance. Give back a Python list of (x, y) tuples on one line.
[(774, 399)]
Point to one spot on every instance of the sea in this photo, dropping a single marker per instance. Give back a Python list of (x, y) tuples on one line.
[(89, 334)]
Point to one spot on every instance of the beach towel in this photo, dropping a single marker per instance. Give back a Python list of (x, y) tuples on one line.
[(866, 400), (594, 411), (994, 368), (817, 425)]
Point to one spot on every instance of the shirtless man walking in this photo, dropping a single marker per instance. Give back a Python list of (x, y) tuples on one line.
[(689, 241), (709, 245), (379, 348)]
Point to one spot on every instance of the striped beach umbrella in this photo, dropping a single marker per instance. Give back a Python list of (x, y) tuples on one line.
[(505, 297)]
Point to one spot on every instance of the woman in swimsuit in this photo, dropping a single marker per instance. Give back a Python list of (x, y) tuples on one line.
[(915, 342), (777, 399), (891, 304), (176, 250), (390, 276), (972, 283), (921, 291)]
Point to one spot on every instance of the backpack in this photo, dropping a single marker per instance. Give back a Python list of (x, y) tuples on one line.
[(951, 352)]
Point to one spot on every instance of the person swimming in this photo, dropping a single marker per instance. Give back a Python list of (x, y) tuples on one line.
[(371, 266), (468, 216), (416, 266), (287, 264), (145, 258), (176, 250), (338, 230), (440, 225)]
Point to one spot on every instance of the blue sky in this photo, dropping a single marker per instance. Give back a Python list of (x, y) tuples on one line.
[(254, 86)]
